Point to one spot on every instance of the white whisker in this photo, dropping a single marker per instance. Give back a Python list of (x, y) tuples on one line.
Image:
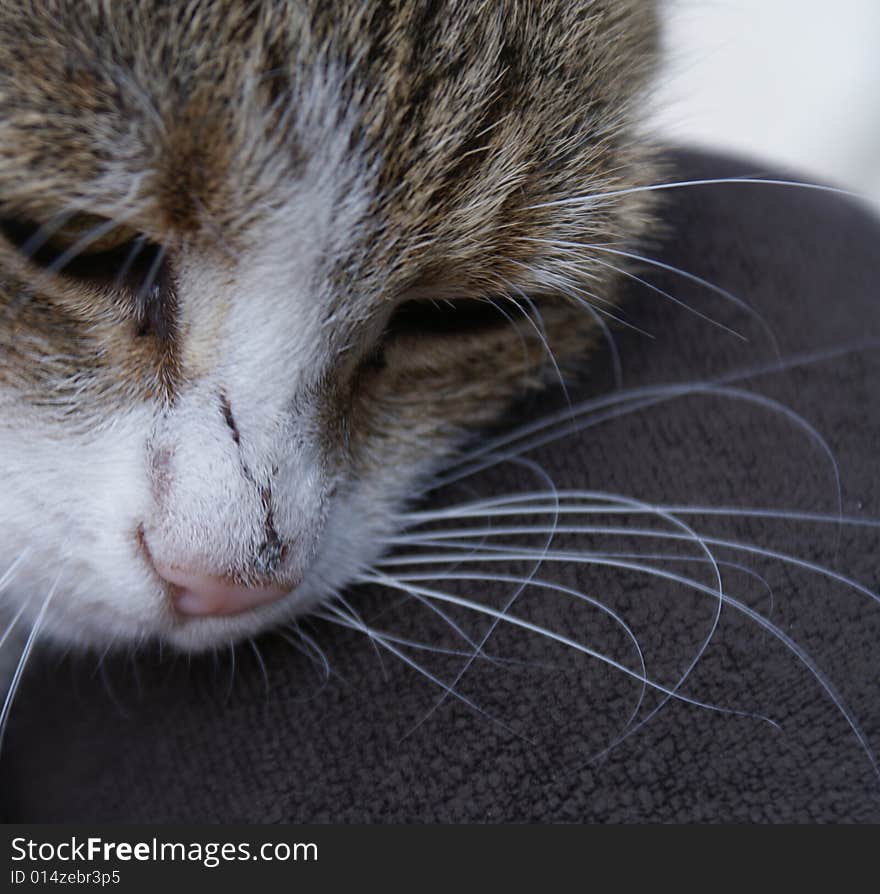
[(690, 534), (516, 621), (444, 616), (349, 608), (736, 545), (310, 648), (353, 623), (405, 561), (81, 244), (12, 624), (647, 395), (11, 571), (718, 181), (662, 396), (777, 633), (533, 466), (427, 647), (540, 329), (22, 661), (662, 292), (520, 504), (400, 583), (572, 289), (231, 669), (262, 664)]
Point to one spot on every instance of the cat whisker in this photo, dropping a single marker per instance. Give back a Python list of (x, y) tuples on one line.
[(690, 534), (684, 274), (601, 313), (559, 423), (23, 659), (635, 727), (610, 341), (144, 294), (46, 231), (718, 181), (508, 605), (661, 394), (77, 248), (628, 727), (522, 338), (662, 292), (477, 647), (524, 553), (421, 646), (137, 247), (305, 649), (434, 649), (533, 317), (726, 294), (8, 575), (598, 315), (44, 234), (106, 680), (261, 663), (457, 628), (359, 620), (510, 553), (231, 685), (774, 630), (353, 623), (12, 624), (311, 649), (528, 503), (524, 583), (569, 288), (537, 629), (417, 559)]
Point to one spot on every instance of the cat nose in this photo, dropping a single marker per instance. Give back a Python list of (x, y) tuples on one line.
[(203, 595)]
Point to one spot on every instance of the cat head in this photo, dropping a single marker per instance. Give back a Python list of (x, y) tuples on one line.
[(263, 265)]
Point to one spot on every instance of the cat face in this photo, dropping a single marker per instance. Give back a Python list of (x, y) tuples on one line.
[(263, 265)]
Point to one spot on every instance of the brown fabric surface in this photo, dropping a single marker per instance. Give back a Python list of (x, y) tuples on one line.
[(189, 740)]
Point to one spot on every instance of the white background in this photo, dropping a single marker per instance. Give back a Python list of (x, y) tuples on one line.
[(792, 81)]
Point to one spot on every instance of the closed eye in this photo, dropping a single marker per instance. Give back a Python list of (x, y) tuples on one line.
[(448, 318), (93, 250), (103, 254)]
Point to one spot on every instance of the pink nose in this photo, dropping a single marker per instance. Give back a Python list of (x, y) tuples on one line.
[(203, 595)]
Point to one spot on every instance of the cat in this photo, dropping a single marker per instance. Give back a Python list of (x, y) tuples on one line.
[(264, 265)]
